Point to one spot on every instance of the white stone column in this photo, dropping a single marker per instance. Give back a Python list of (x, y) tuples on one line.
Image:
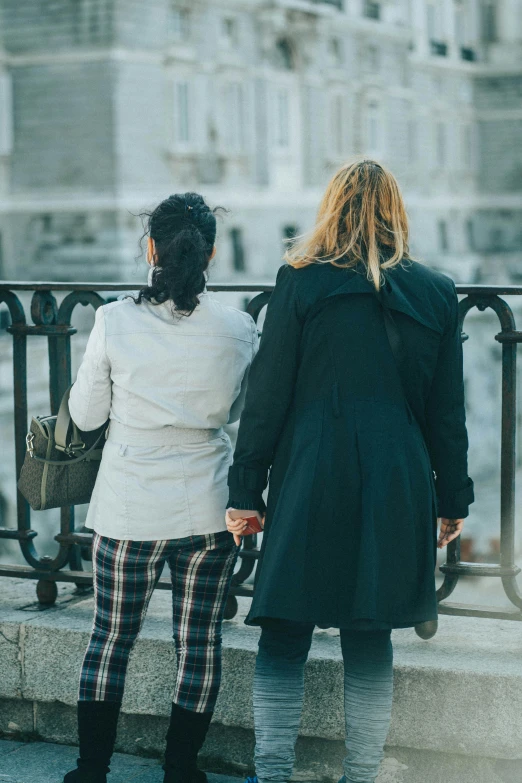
[(507, 50), (354, 7), (449, 22), (509, 21), (419, 28), (396, 13), (6, 113)]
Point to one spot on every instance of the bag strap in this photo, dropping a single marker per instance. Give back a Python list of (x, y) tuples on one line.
[(63, 422), (91, 453), (61, 429)]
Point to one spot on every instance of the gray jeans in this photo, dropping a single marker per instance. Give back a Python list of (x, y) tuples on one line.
[(279, 691)]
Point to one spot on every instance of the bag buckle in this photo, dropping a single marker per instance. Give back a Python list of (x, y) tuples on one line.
[(29, 442), (72, 448)]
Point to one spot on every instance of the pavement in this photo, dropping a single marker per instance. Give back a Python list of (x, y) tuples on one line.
[(457, 714), (43, 762)]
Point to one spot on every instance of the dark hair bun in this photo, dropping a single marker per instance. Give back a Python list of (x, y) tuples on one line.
[(183, 228)]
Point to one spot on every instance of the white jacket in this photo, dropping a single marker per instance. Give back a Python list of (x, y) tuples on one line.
[(168, 385)]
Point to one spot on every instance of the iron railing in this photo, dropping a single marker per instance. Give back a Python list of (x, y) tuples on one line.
[(53, 322)]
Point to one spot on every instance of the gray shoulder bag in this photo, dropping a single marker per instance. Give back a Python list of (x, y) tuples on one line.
[(61, 463)]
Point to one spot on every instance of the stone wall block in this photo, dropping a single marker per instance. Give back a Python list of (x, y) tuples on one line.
[(234, 706), (150, 678), (458, 711), (16, 717), (10, 661), (52, 661)]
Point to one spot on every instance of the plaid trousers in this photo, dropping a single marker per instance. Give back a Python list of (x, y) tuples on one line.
[(125, 574)]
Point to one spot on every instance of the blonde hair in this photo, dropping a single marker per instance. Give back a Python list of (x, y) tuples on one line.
[(361, 218)]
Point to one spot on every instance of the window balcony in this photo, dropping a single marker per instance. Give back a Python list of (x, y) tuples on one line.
[(468, 54), (439, 48), (304, 5), (372, 10), (336, 3)]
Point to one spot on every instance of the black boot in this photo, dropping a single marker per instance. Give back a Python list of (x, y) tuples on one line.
[(185, 738), (97, 723)]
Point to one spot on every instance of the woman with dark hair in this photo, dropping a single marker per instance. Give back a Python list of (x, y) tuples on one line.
[(169, 369), (356, 406)]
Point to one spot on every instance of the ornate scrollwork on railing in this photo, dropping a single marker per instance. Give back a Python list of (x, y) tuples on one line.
[(54, 322), (483, 298)]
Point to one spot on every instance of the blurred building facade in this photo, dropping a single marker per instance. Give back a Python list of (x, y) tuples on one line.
[(106, 106)]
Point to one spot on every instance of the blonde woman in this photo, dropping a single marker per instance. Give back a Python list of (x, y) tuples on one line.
[(356, 406)]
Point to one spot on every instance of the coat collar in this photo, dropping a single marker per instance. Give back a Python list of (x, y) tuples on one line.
[(403, 291)]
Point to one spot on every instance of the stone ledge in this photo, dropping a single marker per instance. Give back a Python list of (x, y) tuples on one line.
[(459, 694)]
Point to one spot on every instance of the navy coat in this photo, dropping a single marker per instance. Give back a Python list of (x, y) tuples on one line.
[(356, 480)]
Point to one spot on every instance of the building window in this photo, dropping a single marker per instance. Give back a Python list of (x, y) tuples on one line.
[(282, 118), (470, 234), (373, 142), (496, 240), (6, 114), (435, 21), (290, 232), (441, 144), (229, 32), (180, 23), (463, 32), (338, 125), (412, 140), (235, 119), (373, 59), (335, 51), (284, 56), (488, 21), (468, 53), (182, 112), (467, 141), (371, 10), (461, 26), (403, 70), (238, 250), (442, 228), (436, 31), (439, 48)]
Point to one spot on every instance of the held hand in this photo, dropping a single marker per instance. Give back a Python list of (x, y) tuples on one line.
[(237, 526), (449, 530)]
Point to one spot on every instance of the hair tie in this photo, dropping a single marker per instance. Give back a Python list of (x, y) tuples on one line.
[(188, 208)]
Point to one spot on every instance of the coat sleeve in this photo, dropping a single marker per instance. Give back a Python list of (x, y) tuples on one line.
[(239, 402), (446, 433), (269, 394), (90, 400)]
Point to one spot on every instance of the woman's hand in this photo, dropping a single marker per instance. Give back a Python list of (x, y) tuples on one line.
[(449, 530), (237, 526)]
